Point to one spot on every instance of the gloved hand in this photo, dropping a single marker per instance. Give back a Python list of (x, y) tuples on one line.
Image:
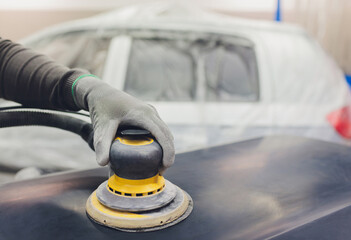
[(110, 108)]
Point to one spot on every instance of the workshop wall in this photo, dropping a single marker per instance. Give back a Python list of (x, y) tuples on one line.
[(328, 21), (324, 19), (17, 24)]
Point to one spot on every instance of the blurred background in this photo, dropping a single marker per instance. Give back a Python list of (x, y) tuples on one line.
[(15, 15), (325, 20), (216, 71)]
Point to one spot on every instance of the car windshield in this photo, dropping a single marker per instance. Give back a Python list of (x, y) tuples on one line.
[(173, 70), (211, 68), (161, 70)]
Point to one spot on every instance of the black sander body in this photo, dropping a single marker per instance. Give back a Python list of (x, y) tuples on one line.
[(136, 197)]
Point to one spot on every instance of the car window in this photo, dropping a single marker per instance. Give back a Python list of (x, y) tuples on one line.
[(77, 50), (231, 73), (160, 70), (169, 70)]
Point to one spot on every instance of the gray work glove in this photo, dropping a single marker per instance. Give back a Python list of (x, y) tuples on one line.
[(110, 108)]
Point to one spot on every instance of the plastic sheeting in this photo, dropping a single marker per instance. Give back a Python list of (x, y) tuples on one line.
[(170, 70), (161, 70), (77, 50), (213, 79)]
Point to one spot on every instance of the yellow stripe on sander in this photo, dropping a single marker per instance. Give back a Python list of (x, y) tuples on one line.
[(143, 186), (135, 142)]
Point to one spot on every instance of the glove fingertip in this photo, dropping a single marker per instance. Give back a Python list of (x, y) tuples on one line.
[(102, 161), (161, 170), (101, 158), (103, 141), (168, 162)]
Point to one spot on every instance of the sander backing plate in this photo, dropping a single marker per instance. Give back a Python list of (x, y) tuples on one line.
[(139, 204), (166, 216)]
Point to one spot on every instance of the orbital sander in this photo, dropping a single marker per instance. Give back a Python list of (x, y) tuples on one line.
[(136, 197)]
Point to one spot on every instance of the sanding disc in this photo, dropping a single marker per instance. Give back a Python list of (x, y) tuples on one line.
[(133, 204), (177, 210)]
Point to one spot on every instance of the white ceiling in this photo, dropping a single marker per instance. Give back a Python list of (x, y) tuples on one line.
[(226, 5)]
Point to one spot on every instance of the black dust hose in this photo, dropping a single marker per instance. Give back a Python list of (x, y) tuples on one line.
[(41, 118)]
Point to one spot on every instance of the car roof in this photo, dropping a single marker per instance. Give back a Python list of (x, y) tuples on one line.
[(166, 16)]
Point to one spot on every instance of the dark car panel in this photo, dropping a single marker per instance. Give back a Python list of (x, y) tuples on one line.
[(273, 187)]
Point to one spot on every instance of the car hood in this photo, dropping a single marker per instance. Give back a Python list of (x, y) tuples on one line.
[(274, 187)]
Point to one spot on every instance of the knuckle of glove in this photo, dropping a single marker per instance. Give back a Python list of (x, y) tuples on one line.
[(138, 113), (153, 110)]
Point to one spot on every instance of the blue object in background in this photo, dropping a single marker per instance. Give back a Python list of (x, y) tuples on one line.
[(348, 79), (278, 12)]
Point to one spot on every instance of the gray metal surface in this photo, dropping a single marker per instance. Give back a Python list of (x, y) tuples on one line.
[(274, 187)]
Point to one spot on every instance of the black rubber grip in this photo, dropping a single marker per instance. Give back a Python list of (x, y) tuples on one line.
[(135, 161)]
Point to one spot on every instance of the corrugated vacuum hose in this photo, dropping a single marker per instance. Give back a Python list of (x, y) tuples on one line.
[(14, 117)]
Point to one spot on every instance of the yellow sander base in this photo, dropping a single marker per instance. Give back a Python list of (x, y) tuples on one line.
[(152, 220)]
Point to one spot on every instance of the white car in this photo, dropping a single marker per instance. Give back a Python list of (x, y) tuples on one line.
[(213, 79)]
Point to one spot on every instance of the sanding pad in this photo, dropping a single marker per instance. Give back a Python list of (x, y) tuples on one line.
[(139, 204), (177, 210)]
